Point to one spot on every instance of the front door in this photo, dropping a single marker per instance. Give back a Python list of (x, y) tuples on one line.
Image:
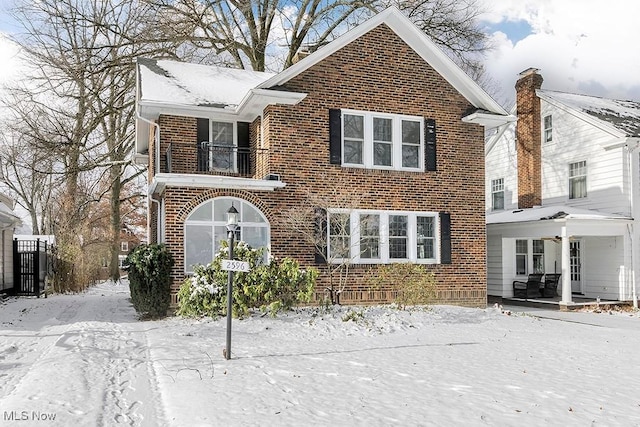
[(575, 257)]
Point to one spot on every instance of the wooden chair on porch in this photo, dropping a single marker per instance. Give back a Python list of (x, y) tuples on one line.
[(550, 289), (528, 289)]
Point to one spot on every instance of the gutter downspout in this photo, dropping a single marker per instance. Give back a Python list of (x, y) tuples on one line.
[(156, 164)]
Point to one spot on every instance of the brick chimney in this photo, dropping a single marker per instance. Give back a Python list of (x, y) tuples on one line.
[(529, 139)]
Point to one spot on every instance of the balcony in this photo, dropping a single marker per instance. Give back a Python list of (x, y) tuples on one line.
[(212, 159)]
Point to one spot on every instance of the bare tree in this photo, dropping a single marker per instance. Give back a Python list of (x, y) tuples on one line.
[(26, 173), (78, 104), (245, 34), (322, 221)]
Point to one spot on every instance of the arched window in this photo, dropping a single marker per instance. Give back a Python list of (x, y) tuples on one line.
[(205, 227)]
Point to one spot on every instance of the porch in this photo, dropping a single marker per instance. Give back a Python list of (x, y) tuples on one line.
[(555, 303), (591, 250)]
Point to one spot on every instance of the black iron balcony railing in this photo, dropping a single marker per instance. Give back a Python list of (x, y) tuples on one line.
[(223, 158), (214, 158)]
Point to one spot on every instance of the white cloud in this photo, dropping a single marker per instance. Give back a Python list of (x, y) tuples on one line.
[(9, 59), (583, 46)]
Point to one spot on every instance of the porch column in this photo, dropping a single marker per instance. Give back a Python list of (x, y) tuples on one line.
[(566, 269)]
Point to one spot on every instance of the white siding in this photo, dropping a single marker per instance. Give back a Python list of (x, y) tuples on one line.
[(576, 140), (6, 259), (602, 270), (501, 162), (494, 266)]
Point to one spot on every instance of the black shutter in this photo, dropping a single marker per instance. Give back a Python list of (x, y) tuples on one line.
[(320, 234), (335, 137), (430, 144), (445, 238), (244, 158), (243, 134), (202, 135)]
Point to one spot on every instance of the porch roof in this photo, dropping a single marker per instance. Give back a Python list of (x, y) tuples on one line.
[(556, 213), (555, 221)]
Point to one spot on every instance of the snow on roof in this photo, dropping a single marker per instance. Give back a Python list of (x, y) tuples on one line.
[(548, 213), (624, 115), (180, 83)]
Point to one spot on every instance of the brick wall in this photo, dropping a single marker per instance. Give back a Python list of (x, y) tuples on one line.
[(377, 72), (529, 139)]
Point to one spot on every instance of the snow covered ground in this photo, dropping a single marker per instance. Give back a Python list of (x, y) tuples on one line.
[(85, 360)]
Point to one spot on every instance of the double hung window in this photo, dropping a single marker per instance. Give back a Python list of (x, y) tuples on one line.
[(382, 141), (548, 129), (578, 180), (366, 237), (497, 194)]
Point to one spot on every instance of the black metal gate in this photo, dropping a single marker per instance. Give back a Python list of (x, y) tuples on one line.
[(31, 263)]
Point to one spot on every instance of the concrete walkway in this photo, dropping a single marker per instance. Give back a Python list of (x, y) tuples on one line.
[(605, 319)]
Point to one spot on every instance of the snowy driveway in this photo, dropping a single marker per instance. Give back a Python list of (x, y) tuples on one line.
[(78, 360), (86, 360)]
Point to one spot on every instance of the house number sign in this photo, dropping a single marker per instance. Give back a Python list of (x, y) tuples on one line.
[(233, 265)]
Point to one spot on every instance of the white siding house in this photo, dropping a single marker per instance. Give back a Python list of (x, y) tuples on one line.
[(571, 183), (8, 223)]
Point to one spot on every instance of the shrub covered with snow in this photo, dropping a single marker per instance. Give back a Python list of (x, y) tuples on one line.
[(271, 287), (149, 279)]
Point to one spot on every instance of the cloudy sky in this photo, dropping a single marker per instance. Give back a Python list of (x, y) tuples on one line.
[(581, 46)]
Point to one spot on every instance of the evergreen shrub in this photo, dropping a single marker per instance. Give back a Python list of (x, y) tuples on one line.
[(149, 268), (271, 287)]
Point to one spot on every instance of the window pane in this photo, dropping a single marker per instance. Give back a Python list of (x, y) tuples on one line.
[(198, 245), (425, 237), (522, 249), (369, 236), (548, 133), (521, 264), (202, 213), (250, 214), (382, 154), (410, 156), (353, 126), (222, 133), (221, 206), (256, 237), (398, 236), (353, 152), (382, 129), (339, 235), (220, 234), (498, 200), (578, 180), (410, 132)]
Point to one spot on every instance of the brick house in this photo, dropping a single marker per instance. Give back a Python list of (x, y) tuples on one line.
[(562, 194), (380, 117)]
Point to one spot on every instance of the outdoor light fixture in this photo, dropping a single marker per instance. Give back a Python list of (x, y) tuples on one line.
[(232, 226), (232, 219)]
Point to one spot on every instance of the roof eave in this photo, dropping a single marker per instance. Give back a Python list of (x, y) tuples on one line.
[(489, 120)]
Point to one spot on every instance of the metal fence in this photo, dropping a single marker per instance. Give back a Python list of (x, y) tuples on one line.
[(32, 264)]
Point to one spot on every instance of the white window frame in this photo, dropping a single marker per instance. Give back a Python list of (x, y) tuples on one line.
[(497, 186), (547, 129), (412, 238), (234, 146), (237, 203), (124, 246), (529, 257), (396, 144), (583, 165)]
